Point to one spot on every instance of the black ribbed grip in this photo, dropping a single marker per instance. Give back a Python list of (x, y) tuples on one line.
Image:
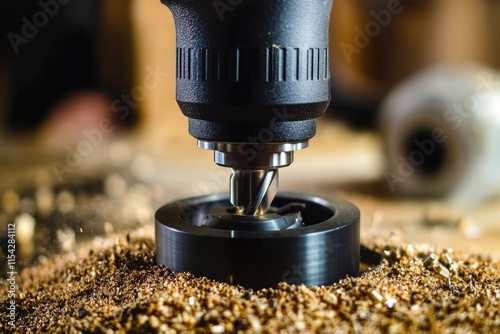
[(238, 61), (252, 65)]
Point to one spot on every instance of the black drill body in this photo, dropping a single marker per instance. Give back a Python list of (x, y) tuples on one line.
[(243, 64)]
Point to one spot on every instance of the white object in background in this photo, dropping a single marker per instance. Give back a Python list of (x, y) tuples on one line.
[(441, 133)]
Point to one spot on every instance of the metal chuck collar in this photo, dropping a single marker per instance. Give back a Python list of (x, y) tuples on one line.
[(299, 239)]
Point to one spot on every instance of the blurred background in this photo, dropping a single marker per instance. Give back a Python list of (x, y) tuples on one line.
[(92, 141)]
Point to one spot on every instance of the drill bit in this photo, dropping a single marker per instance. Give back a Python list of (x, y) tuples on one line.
[(252, 191), (254, 182)]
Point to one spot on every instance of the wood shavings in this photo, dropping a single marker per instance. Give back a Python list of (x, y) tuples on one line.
[(118, 287)]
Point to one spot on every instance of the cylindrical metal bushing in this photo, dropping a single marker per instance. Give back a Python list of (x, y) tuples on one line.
[(317, 245)]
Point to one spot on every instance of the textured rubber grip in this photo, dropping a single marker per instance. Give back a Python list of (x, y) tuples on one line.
[(271, 64)]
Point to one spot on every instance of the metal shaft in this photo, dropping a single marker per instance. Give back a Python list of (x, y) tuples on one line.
[(252, 191), (254, 166)]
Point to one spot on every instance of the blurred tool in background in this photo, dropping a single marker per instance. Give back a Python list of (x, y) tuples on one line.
[(386, 42), (441, 132)]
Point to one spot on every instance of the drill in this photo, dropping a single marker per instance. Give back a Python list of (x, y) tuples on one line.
[(252, 77)]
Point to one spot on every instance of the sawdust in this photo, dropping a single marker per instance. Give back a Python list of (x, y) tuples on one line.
[(114, 285)]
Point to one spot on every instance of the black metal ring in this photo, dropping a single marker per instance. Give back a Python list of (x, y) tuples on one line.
[(322, 252)]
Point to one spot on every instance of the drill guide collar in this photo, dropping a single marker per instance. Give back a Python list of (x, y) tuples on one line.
[(322, 249)]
